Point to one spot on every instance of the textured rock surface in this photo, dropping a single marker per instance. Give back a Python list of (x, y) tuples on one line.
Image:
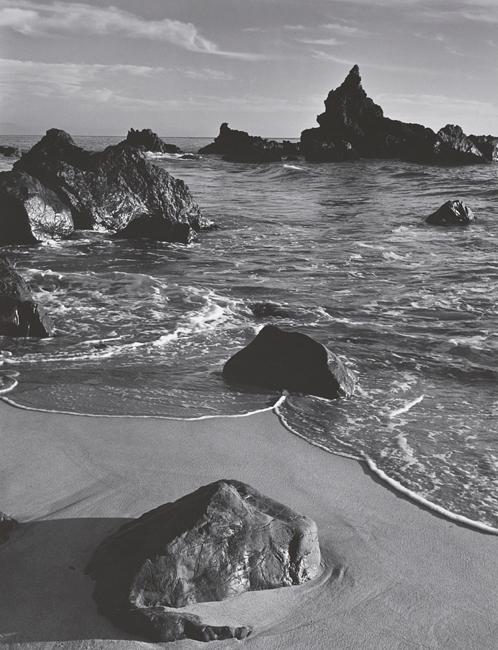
[(451, 213), (147, 140), (239, 146), (487, 145), (109, 189), (30, 212), (7, 525), (19, 315), (462, 149), (353, 125), (223, 539), (290, 361)]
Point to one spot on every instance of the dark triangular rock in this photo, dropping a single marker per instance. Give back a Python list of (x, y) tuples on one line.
[(290, 361)]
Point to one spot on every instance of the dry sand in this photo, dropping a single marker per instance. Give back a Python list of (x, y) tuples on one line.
[(396, 575)]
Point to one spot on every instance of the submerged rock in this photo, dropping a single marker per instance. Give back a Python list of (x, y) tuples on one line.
[(19, 314), (354, 126), (222, 540), (269, 309), (239, 146), (30, 212), (107, 190), (451, 213), (9, 151), (290, 361), (147, 140)]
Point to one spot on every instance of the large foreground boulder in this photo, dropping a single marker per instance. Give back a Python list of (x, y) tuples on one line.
[(30, 212), (290, 361), (353, 125), (107, 190), (222, 540), (239, 146), (451, 213), (147, 140), (19, 314)]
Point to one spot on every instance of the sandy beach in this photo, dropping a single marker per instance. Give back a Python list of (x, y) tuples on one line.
[(396, 576)]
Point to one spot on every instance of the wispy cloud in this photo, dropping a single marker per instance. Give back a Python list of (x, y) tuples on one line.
[(206, 74), (62, 18), (344, 30), (320, 41), (90, 83)]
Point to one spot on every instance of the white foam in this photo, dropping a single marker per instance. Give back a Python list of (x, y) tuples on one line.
[(361, 456), (143, 417), (406, 407), (425, 502)]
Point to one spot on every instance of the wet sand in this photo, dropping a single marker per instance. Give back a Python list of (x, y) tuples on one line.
[(396, 576)]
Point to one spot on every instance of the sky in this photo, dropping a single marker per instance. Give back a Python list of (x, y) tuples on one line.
[(182, 67)]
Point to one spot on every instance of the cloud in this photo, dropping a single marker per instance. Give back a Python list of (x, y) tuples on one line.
[(62, 18), (90, 83), (320, 41), (206, 74), (344, 30)]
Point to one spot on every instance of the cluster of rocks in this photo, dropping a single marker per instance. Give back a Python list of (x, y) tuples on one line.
[(239, 146), (353, 127), (147, 140), (57, 187)]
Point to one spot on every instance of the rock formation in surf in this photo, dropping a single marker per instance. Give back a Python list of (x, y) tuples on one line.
[(487, 145), (451, 213), (108, 190), (9, 151), (291, 361), (147, 140), (219, 541), (30, 212), (239, 146), (19, 314), (353, 126)]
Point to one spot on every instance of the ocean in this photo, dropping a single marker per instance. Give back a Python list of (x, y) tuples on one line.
[(341, 252)]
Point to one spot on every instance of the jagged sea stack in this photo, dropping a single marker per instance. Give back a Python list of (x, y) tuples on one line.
[(353, 127)]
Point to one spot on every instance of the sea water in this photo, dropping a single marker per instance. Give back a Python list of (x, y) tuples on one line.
[(342, 253)]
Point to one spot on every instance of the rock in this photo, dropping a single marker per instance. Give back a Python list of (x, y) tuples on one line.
[(461, 148), (147, 140), (7, 525), (19, 314), (109, 189), (354, 126), (487, 145), (269, 309), (239, 146), (219, 541), (290, 361), (10, 151), (159, 229), (30, 212), (451, 213)]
